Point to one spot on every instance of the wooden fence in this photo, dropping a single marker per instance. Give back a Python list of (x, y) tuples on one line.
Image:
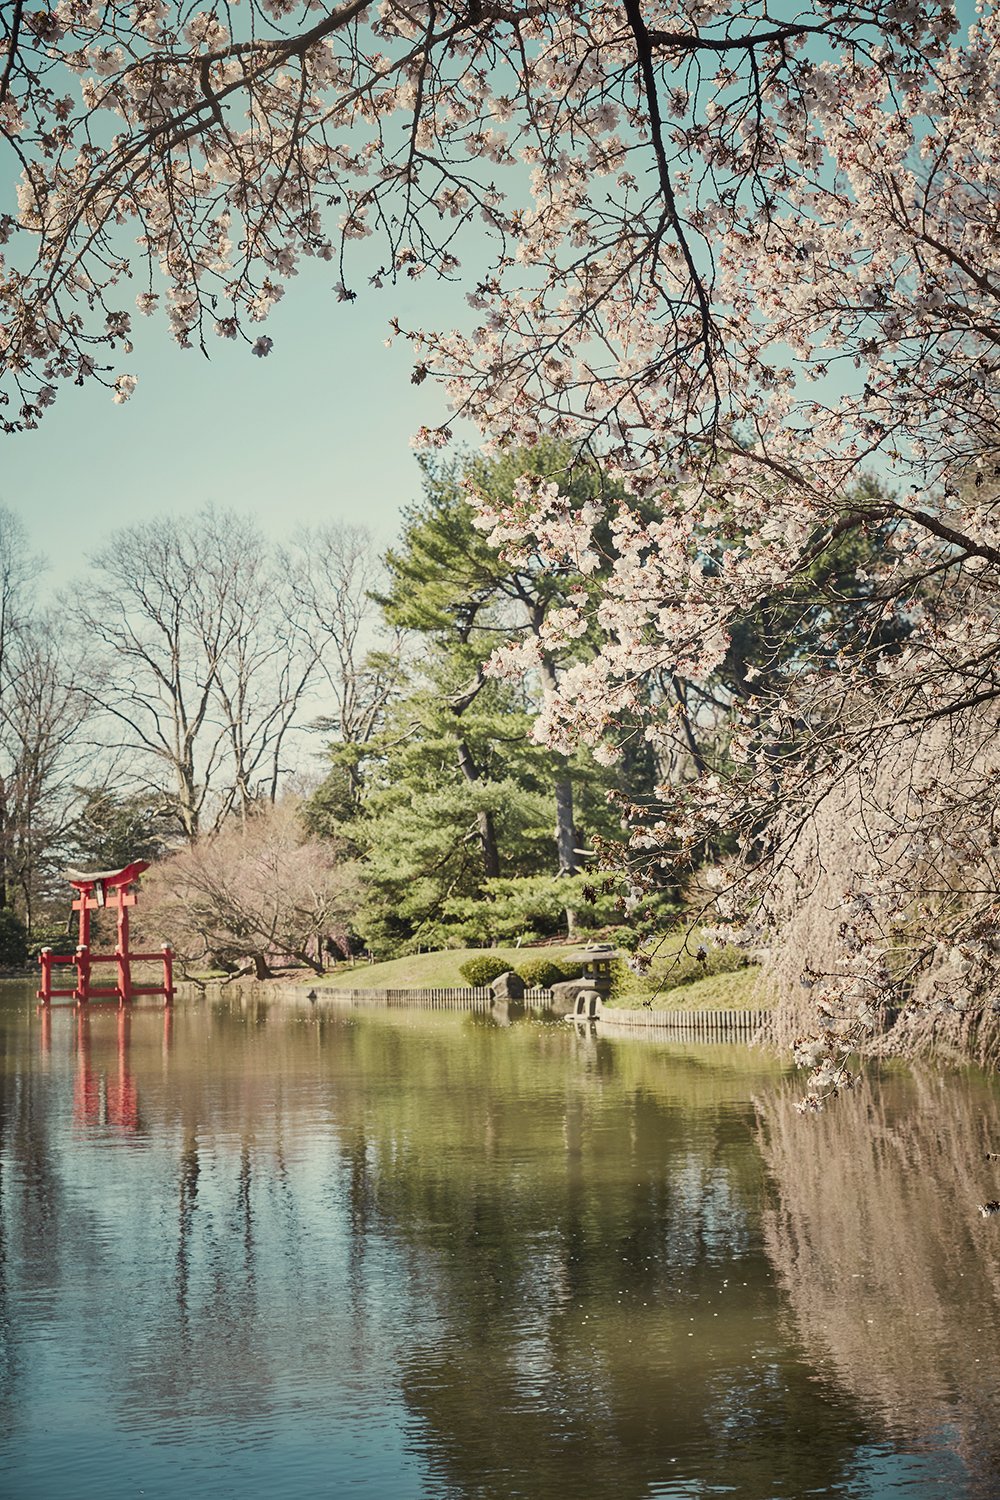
[(681, 1025), (442, 998), (690, 1025)]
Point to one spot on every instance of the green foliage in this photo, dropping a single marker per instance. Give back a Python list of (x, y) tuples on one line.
[(13, 939), (335, 810), (421, 829), (543, 973), (445, 578), (453, 805), (55, 935), (110, 831), (689, 968), (687, 961), (530, 905), (814, 617), (423, 842), (658, 912), (623, 981), (483, 969)]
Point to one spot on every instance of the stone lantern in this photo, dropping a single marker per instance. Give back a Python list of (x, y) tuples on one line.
[(596, 963)]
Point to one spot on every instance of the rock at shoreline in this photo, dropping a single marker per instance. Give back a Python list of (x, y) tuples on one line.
[(564, 995), (508, 986)]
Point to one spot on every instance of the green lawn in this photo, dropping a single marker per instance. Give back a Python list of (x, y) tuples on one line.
[(737, 990), (430, 970), (722, 986)]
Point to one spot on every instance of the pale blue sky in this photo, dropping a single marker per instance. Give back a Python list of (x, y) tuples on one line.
[(319, 431)]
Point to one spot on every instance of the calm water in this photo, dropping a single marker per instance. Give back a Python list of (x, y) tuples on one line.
[(249, 1252)]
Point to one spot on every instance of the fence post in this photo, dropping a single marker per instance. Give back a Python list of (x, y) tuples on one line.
[(168, 973)]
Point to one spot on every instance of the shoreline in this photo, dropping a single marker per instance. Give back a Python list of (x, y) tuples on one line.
[(748, 1025)]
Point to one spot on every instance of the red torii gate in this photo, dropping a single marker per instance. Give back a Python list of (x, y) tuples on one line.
[(95, 891)]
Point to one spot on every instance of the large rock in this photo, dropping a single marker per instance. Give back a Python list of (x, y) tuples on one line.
[(564, 995), (509, 986)]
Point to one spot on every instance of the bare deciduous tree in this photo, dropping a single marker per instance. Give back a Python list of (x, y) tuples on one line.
[(154, 683), (266, 660), (204, 666), (251, 892), (43, 756), (41, 713), (333, 573)]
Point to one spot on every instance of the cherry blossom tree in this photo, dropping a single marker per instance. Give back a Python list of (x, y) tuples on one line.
[(738, 254), (717, 202)]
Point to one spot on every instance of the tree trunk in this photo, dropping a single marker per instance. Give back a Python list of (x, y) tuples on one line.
[(565, 830), (3, 843), (467, 765), (680, 689), (260, 968), (484, 820), (312, 963), (566, 841), (187, 802)]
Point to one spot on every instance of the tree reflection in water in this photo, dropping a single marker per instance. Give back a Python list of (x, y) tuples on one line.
[(416, 1248), (892, 1274)]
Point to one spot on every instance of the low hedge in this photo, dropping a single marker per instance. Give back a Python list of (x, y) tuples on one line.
[(481, 971), (543, 973), (536, 971)]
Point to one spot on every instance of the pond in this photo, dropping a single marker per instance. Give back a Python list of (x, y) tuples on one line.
[(249, 1250)]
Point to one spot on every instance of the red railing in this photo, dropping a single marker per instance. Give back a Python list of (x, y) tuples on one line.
[(123, 991)]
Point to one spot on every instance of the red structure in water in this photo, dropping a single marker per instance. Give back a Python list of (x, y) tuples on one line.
[(115, 890)]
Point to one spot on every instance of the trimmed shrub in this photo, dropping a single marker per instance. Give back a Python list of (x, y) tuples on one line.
[(543, 973), (622, 978), (481, 971)]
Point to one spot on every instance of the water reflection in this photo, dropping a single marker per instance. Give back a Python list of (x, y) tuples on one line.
[(425, 1253), (892, 1275), (104, 1097)]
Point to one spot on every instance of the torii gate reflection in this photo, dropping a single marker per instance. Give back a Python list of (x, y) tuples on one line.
[(102, 1099)]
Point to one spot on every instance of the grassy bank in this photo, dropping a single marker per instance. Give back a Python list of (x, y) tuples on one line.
[(717, 984), (432, 970), (740, 989)]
